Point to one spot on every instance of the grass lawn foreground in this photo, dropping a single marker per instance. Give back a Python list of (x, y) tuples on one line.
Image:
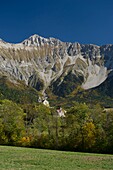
[(17, 158)]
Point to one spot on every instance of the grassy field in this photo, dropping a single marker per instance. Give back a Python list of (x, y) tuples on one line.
[(16, 158)]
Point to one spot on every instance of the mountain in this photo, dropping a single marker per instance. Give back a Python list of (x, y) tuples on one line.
[(61, 67)]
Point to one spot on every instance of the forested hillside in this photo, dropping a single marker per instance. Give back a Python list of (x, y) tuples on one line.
[(35, 125)]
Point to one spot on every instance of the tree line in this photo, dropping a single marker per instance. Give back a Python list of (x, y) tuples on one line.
[(82, 129)]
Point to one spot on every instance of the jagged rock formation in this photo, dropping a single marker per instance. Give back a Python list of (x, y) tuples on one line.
[(50, 63)]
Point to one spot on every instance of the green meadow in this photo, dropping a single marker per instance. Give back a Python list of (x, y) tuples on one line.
[(18, 158)]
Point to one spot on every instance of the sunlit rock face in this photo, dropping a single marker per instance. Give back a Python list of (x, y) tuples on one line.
[(50, 63)]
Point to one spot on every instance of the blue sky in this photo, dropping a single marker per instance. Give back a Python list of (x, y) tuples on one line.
[(83, 21)]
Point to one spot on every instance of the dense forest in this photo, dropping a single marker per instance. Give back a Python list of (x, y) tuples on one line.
[(84, 128), (87, 126)]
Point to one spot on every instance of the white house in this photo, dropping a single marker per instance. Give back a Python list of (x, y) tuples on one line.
[(61, 112), (46, 103)]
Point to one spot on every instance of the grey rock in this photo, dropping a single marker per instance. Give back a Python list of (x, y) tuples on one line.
[(45, 62)]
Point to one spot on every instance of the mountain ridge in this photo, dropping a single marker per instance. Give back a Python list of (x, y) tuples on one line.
[(48, 62)]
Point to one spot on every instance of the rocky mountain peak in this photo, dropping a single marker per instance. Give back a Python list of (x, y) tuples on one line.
[(48, 62), (36, 41)]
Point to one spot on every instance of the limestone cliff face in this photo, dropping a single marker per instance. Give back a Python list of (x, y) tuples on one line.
[(43, 63)]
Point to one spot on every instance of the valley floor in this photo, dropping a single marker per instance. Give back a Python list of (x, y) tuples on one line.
[(17, 158)]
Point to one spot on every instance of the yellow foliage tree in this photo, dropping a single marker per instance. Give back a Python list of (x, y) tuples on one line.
[(89, 132)]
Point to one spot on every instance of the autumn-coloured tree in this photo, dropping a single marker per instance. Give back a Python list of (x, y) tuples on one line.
[(11, 122)]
